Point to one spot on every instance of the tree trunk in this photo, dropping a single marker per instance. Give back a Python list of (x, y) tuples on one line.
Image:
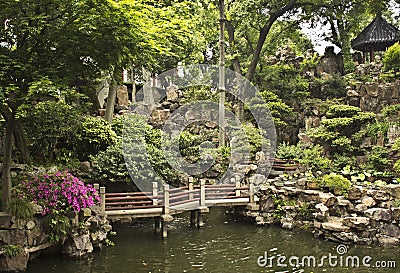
[(236, 67), (263, 35), (221, 84), (257, 51), (6, 179), (133, 83), (20, 142), (112, 94)]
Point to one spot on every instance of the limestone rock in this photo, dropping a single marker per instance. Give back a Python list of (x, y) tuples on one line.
[(393, 190), (368, 202), (391, 230), (30, 225), (327, 199), (356, 222), (14, 264), (122, 95), (322, 208), (372, 89), (335, 226), (355, 193), (379, 214), (172, 93)]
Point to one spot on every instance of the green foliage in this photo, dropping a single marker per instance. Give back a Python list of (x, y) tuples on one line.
[(286, 151), (270, 102), (49, 125), (391, 60), (305, 212), (94, 135), (335, 182), (285, 82), (379, 159), (314, 160), (340, 161), (110, 164), (373, 130), (11, 250), (340, 131), (57, 226), (198, 93), (250, 138), (342, 110), (391, 113), (21, 209), (334, 87)]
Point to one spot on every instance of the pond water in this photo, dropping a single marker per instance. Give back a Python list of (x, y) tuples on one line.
[(222, 245)]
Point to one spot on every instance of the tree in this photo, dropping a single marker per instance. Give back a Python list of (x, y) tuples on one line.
[(69, 42), (345, 20)]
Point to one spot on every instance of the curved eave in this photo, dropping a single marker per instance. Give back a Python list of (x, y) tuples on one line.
[(377, 46)]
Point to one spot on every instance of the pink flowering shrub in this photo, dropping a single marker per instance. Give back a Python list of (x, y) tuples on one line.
[(61, 192)]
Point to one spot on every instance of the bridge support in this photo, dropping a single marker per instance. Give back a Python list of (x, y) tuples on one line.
[(165, 217), (103, 198), (157, 225)]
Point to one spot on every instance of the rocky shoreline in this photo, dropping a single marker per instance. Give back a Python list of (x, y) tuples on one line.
[(364, 215)]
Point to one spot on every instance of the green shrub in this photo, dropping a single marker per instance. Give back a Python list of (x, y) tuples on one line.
[(378, 159), (20, 208), (313, 159), (57, 226), (341, 110), (11, 250), (286, 151), (335, 182), (391, 60), (94, 135), (50, 125), (141, 148)]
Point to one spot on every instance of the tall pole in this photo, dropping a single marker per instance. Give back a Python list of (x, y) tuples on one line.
[(221, 86)]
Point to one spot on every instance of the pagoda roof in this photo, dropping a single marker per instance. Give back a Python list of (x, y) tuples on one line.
[(378, 35)]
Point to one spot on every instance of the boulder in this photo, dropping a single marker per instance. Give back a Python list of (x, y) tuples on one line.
[(335, 226), (378, 214), (368, 202), (328, 199), (14, 264), (355, 193), (372, 89), (356, 222)]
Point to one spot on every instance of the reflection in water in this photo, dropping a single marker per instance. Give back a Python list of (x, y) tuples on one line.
[(222, 245)]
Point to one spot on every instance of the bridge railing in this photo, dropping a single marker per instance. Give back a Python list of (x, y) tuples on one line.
[(171, 198)]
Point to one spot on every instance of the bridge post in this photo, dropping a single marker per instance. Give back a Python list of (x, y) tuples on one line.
[(198, 217), (251, 193), (252, 204), (236, 181), (103, 198), (190, 188), (165, 217), (202, 193), (155, 193), (157, 225), (166, 199)]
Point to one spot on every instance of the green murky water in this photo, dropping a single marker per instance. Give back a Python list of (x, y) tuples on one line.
[(222, 245)]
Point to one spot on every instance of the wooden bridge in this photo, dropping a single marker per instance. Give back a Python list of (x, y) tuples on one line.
[(163, 204)]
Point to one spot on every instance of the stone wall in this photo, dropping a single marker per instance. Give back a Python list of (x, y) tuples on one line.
[(363, 215), (89, 231), (373, 96)]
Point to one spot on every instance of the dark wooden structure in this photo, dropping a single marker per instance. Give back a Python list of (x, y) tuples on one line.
[(377, 36)]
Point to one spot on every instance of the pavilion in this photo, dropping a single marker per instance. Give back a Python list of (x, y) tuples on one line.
[(377, 36)]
